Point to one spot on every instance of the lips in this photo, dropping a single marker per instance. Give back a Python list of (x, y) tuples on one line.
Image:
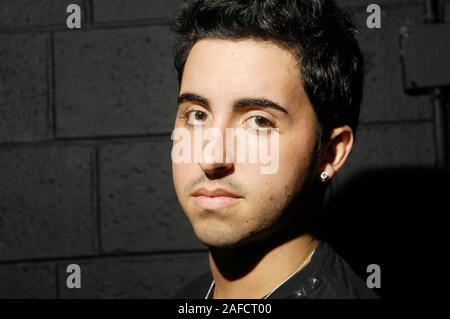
[(215, 199)]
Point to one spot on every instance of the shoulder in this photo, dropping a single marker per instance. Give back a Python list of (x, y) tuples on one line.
[(339, 279), (197, 288)]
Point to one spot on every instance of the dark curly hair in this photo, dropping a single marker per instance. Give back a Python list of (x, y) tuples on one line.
[(320, 34)]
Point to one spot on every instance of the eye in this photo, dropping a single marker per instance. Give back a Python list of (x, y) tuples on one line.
[(258, 122), (196, 117)]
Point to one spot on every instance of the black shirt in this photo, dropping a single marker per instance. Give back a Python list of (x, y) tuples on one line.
[(326, 276)]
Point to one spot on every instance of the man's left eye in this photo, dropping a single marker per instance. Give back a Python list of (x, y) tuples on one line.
[(259, 122)]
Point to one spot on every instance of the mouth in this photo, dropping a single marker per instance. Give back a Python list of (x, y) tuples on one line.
[(215, 199)]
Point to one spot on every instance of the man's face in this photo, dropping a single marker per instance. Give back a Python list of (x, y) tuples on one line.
[(222, 87)]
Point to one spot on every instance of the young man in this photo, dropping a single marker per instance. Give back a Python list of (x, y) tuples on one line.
[(290, 69)]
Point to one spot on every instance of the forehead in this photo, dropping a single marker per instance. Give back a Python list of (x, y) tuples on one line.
[(231, 69)]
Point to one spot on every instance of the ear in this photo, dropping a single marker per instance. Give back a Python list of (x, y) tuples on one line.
[(336, 151)]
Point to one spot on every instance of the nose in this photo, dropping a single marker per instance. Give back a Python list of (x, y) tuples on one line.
[(214, 160), (217, 170)]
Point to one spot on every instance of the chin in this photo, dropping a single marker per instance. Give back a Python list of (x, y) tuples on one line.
[(214, 237), (218, 238), (228, 228)]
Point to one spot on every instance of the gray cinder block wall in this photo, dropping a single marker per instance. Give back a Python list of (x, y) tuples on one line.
[(85, 123)]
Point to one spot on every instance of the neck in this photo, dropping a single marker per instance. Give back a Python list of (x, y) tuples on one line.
[(255, 270)]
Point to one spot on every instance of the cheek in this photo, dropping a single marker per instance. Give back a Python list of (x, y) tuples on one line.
[(183, 174), (294, 159), (295, 154), (267, 192), (297, 146)]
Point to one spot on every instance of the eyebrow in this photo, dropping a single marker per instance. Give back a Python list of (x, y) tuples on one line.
[(244, 102), (190, 97), (261, 102)]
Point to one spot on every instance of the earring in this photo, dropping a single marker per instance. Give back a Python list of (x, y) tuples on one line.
[(324, 176)]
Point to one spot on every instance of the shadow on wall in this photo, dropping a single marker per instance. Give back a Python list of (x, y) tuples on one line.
[(396, 218)]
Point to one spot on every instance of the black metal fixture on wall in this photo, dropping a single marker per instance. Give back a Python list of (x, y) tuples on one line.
[(425, 58)]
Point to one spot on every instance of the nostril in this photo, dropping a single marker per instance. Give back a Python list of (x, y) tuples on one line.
[(219, 171)]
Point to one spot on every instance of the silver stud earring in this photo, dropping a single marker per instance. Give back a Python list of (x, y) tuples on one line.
[(324, 176)]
